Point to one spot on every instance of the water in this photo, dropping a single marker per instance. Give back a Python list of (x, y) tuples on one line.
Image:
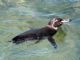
[(17, 16)]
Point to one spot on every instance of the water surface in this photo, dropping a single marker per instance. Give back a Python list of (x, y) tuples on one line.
[(17, 16)]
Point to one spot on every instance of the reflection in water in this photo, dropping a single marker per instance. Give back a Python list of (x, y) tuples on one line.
[(16, 16)]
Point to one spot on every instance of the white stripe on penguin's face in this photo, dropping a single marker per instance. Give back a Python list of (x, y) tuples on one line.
[(53, 22)]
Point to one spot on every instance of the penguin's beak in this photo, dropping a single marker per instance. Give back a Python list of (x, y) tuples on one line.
[(66, 20)]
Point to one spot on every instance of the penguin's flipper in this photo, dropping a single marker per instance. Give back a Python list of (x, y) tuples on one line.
[(52, 41)]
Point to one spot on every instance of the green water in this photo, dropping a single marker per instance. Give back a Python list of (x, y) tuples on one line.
[(17, 16)]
